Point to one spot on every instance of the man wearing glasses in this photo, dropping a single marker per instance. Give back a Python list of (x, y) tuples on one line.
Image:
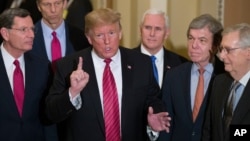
[(229, 104), (24, 81)]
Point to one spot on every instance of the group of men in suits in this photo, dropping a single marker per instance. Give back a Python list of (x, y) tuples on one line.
[(234, 51), (180, 84), (17, 30), (71, 39), (75, 99), (73, 13), (76, 95)]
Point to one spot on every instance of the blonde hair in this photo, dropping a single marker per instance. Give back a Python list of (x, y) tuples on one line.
[(101, 17)]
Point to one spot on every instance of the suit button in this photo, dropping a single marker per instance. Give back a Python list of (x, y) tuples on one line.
[(193, 133)]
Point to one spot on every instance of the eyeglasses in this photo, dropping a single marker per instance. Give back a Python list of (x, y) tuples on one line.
[(24, 29), (227, 50), (49, 5)]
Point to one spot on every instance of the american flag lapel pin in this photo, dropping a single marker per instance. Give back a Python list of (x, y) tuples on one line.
[(129, 67)]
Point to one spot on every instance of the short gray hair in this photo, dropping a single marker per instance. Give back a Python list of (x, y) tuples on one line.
[(244, 33), (8, 15), (156, 12)]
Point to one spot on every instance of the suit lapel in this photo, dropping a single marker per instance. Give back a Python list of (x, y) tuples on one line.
[(93, 90), (243, 106), (222, 96), (6, 91), (69, 46), (186, 84), (127, 70), (39, 44)]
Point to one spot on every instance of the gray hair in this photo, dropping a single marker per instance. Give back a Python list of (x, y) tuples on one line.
[(214, 26), (244, 33), (8, 15), (156, 12)]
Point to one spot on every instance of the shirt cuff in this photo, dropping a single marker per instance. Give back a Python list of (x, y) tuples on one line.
[(153, 136), (76, 101)]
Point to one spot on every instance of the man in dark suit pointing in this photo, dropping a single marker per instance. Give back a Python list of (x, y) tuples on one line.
[(78, 94)]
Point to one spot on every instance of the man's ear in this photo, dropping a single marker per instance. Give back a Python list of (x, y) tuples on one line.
[(4, 33)]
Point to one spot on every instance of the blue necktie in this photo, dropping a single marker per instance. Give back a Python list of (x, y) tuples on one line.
[(153, 58)]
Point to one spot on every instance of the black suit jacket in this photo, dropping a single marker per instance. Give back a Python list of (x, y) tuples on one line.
[(176, 97), (75, 40), (30, 5), (213, 129), (139, 90), (77, 11), (171, 59), (29, 127)]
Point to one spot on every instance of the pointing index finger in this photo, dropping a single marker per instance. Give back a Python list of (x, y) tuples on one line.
[(80, 63)]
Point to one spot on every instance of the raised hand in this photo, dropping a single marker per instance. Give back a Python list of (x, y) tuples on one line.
[(78, 79), (158, 122)]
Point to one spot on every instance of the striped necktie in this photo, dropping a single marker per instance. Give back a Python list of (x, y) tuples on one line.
[(111, 105)]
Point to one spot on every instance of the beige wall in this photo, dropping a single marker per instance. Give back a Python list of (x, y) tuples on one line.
[(180, 12), (236, 12)]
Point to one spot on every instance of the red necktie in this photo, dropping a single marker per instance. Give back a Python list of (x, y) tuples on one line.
[(111, 106), (55, 49), (18, 87), (199, 94)]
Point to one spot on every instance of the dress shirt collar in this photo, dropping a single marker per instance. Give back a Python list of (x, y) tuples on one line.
[(47, 30), (116, 59), (208, 68), (159, 55), (8, 59), (245, 79)]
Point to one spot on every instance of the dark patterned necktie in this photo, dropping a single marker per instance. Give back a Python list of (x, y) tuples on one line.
[(228, 110)]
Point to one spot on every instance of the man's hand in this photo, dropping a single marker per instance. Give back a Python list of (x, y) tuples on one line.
[(158, 122), (78, 79)]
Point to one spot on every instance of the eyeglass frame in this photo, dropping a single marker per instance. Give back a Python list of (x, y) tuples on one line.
[(227, 50), (24, 29)]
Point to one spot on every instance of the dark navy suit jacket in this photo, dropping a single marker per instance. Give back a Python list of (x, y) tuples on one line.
[(31, 127), (171, 59), (176, 97), (75, 40)]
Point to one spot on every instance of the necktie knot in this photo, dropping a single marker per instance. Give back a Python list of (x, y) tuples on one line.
[(53, 34), (235, 85), (107, 61), (16, 63), (201, 70), (153, 58)]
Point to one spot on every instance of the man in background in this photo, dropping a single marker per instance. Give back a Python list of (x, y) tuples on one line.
[(186, 88), (24, 83), (154, 30), (229, 104)]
